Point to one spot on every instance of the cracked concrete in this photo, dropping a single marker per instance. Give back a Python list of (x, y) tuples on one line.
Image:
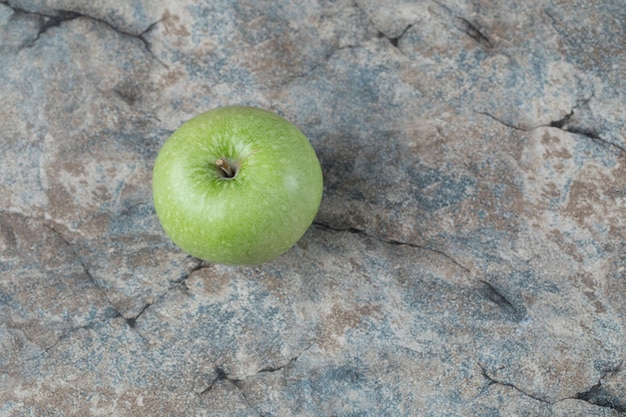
[(492, 381), (567, 123), (391, 242), (58, 17), (468, 257), (596, 395)]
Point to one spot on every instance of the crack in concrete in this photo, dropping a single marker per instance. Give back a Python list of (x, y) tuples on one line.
[(198, 265), (65, 335), (394, 40), (561, 124), (113, 313), (596, 395), (221, 375), (45, 22), (361, 232), (82, 263), (493, 381), (509, 125), (469, 28), (473, 32), (408, 349), (60, 16), (501, 301), (335, 47), (600, 396), (271, 369), (321, 63), (131, 321)]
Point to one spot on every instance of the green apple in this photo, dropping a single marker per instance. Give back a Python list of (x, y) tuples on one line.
[(236, 185)]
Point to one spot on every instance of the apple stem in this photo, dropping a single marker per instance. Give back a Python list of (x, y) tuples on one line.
[(228, 170)]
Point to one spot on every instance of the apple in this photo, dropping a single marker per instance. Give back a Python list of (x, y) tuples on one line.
[(236, 185)]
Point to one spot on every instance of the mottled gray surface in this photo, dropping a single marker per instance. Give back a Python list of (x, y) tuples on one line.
[(469, 257)]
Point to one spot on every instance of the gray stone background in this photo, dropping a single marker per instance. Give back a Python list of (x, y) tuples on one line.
[(468, 259)]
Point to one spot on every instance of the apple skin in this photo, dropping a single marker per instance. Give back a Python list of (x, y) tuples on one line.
[(252, 217)]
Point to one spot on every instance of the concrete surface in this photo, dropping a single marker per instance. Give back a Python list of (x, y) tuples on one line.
[(469, 257)]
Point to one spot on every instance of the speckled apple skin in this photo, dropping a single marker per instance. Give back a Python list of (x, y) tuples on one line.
[(250, 218)]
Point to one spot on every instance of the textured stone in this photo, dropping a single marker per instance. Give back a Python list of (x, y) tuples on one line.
[(469, 254)]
